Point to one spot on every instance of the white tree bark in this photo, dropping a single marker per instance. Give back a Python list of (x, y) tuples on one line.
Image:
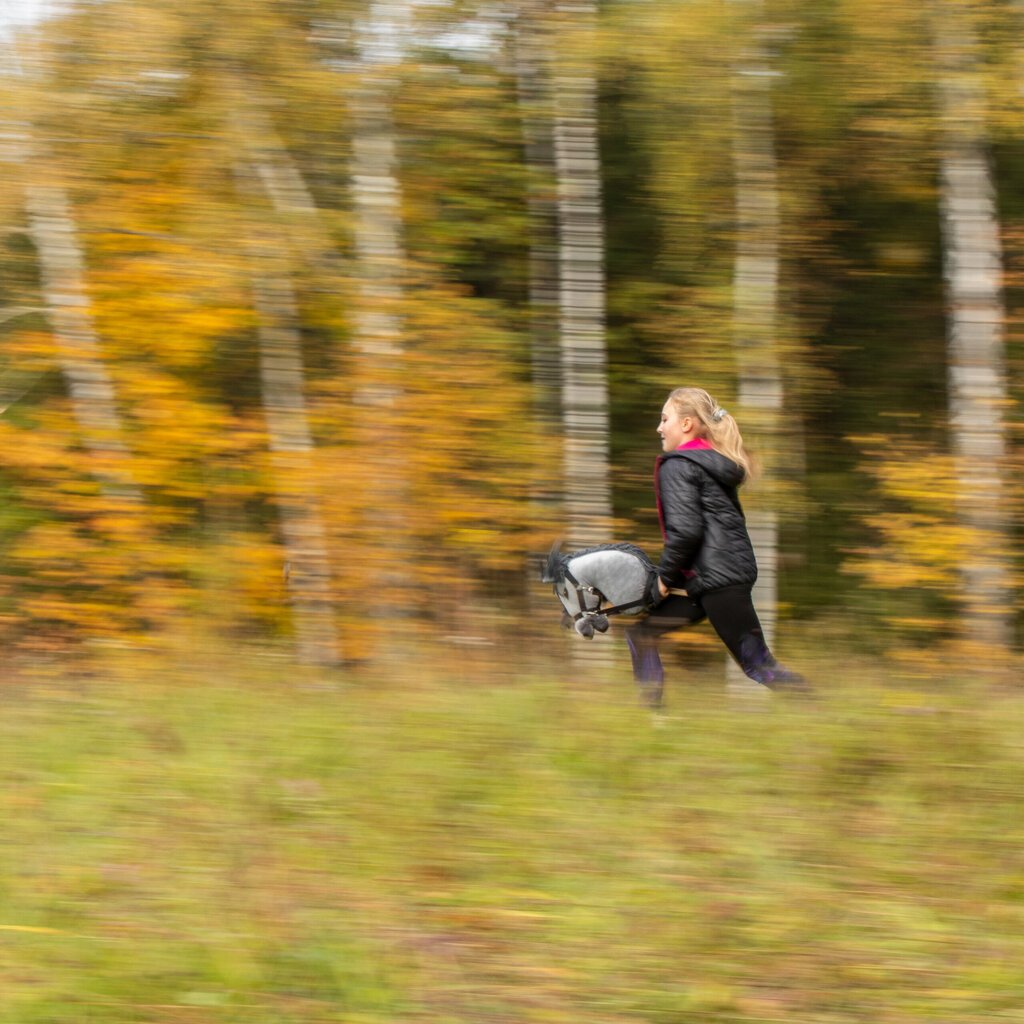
[(977, 379), (755, 305), (62, 272), (282, 377), (292, 454), (378, 343), (91, 390), (581, 261), (378, 239), (376, 193)]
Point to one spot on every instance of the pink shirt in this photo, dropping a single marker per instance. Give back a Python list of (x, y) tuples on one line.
[(697, 442)]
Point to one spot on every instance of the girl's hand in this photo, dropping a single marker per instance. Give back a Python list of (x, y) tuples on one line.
[(662, 589)]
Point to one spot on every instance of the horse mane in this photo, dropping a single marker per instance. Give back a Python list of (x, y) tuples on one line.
[(551, 570)]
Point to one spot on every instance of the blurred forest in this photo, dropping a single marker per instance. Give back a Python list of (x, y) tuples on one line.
[(319, 320)]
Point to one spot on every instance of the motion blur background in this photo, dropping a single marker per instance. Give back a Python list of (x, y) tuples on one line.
[(319, 322)]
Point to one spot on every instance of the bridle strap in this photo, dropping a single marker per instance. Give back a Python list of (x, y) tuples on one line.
[(580, 590), (618, 609)]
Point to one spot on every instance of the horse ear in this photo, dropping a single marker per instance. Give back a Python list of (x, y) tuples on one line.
[(550, 569)]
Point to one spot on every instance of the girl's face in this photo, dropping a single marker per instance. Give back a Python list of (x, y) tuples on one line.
[(674, 429)]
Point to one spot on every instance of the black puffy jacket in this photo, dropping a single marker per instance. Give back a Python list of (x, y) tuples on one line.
[(706, 541)]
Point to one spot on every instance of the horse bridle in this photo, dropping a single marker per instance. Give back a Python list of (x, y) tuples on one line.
[(582, 589)]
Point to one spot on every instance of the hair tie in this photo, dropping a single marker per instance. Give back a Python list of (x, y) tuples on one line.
[(718, 415)]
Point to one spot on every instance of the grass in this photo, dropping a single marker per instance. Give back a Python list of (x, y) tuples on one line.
[(235, 848)]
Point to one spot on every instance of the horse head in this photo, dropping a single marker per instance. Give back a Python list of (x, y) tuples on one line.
[(581, 602)]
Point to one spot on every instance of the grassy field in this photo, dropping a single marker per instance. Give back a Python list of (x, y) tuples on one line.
[(229, 846)]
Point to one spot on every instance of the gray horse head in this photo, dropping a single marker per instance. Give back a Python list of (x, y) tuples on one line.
[(609, 578), (581, 602)]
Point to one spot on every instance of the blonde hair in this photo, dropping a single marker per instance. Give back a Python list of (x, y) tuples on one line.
[(717, 426)]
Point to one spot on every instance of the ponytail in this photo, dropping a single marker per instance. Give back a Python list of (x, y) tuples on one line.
[(718, 426)]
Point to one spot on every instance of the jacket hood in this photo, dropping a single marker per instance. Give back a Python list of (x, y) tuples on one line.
[(728, 473)]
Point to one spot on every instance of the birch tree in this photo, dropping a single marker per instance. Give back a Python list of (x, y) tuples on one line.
[(377, 341), (62, 276), (976, 317), (90, 386), (755, 293), (282, 378), (581, 284)]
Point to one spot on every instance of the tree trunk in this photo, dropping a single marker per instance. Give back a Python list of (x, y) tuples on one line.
[(588, 499), (977, 379), (755, 309), (377, 343), (307, 570), (282, 376), (51, 223), (93, 400)]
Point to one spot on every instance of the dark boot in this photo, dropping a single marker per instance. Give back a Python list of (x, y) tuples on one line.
[(760, 665)]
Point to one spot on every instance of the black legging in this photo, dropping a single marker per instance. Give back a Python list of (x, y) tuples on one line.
[(730, 611)]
